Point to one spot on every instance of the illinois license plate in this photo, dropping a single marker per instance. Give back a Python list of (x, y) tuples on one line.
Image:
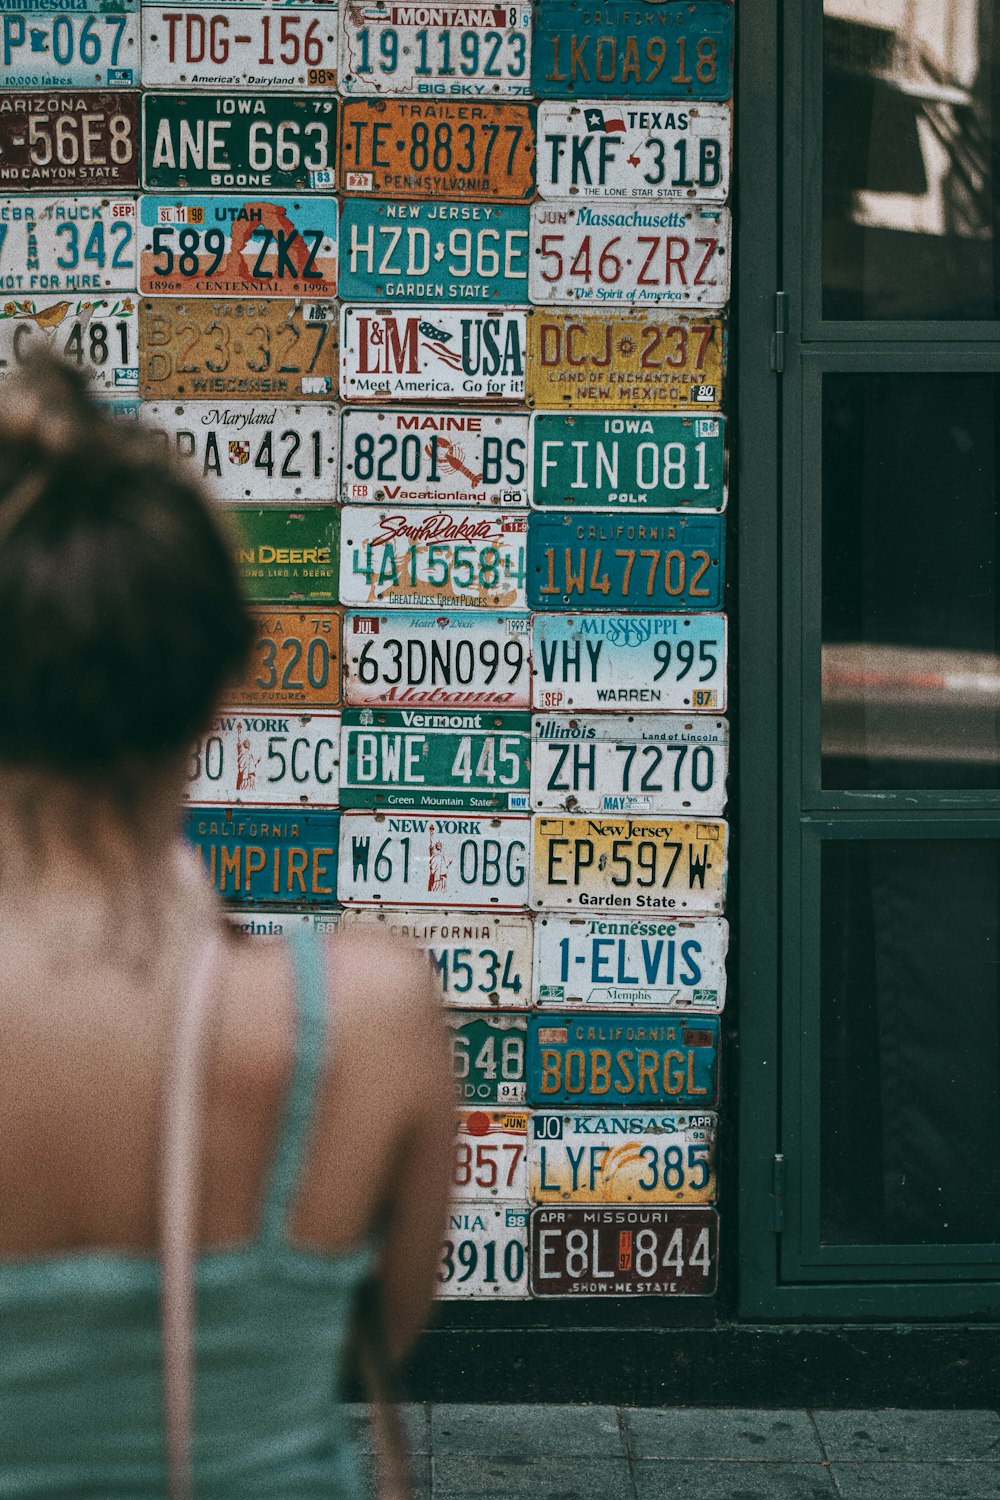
[(629, 864), (435, 457), (471, 559), (487, 1057), (245, 449), (621, 1157), (618, 961), (653, 49), (242, 350), (206, 247), (295, 660), (659, 560), (437, 353), (264, 759), (283, 142), (97, 334), (623, 1059), (441, 148), (632, 150), (624, 1252), (272, 857), (81, 138), (454, 659), (608, 662), (639, 361), (286, 554), (470, 760), (262, 46), (443, 861), (479, 960), (476, 51), (255, 924), (490, 1155), (591, 462), (648, 763), (485, 1252), (433, 252), (64, 48), (63, 244)]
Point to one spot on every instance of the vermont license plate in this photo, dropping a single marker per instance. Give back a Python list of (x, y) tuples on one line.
[(490, 1155), (624, 1252), (453, 659), (238, 246), (487, 1057), (283, 142), (433, 252), (284, 554), (485, 1252), (480, 960), (592, 462), (628, 150), (242, 350), (80, 138), (261, 46), (621, 1157), (275, 857), (264, 759), (295, 660), (618, 961), (61, 244), (96, 334), (63, 47), (470, 760), (431, 353), (657, 560), (474, 51), (444, 861), (642, 49), (435, 457), (471, 559), (440, 148), (608, 662), (623, 1059), (629, 864), (247, 449), (639, 361), (646, 763)]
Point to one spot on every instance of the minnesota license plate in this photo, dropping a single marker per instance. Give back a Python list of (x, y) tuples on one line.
[(97, 334), (485, 1252), (618, 961), (435, 457), (487, 1057), (608, 662), (471, 559), (241, 350), (591, 462), (624, 1252), (269, 46), (656, 560), (431, 353), (433, 252), (79, 138), (275, 924), (629, 864), (646, 763), (238, 246), (642, 49), (247, 449), (286, 554), (444, 861), (470, 760), (282, 142), (623, 1059), (644, 1157), (263, 759), (274, 857), (480, 961), (65, 48), (441, 148), (639, 361), (454, 659), (490, 1155), (63, 244), (632, 150), (295, 660), (476, 51)]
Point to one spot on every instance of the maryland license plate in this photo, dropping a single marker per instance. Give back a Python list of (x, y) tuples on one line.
[(62, 47), (487, 1057), (263, 759), (659, 560), (435, 457), (490, 1155), (431, 353), (637, 361), (629, 864), (97, 334), (643, 49), (440, 148), (474, 51), (261, 46), (623, 1059), (621, 1157), (433, 252), (284, 554), (628, 150), (607, 662), (480, 961), (636, 763), (295, 660), (275, 857), (593, 462), (64, 244), (485, 1252), (470, 760), (283, 142), (245, 449), (453, 659), (444, 861), (624, 1252), (238, 246), (241, 350), (75, 138), (617, 961), (469, 559)]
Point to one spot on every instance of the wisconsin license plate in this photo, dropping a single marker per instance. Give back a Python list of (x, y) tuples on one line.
[(653, 49), (629, 864), (238, 246), (263, 759), (295, 660), (659, 560), (273, 924), (97, 334), (611, 661), (79, 138), (276, 858), (487, 1057), (478, 51), (485, 1252), (639, 361), (260, 46), (647, 763), (470, 760), (630, 150), (435, 457), (286, 554), (471, 559), (479, 960), (618, 961), (64, 48), (442, 861), (591, 462), (623, 1059), (441, 148), (624, 1252), (242, 350), (433, 252), (282, 142), (490, 1155), (621, 1157), (454, 659), (431, 353), (67, 244), (245, 449)]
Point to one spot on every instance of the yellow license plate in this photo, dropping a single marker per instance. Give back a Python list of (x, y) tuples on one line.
[(648, 360), (241, 348), (621, 1156), (295, 660), (629, 864)]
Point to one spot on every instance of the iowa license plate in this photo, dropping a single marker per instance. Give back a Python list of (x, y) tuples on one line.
[(444, 861), (646, 763), (295, 660), (607, 662), (67, 244), (238, 246), (244, 449), (485, 1252), (490, 1155), (435, 458), (623, 1059), (629, 864), (621, 1157), (433, 252), (64, 48), (591, 462), (639, 361), (286, 554), (470, 760), (80, 138), (628, 150), (487, 1057), (431, 353), (283, 142), (624, 1252), (475, 51), (259, 46), (441, 148), (96, 334), (471, 559), (479, 960), (241, 350), (659, 560), (453, 659), (271, 857), (270, 758), (654, 49), (618, 961)]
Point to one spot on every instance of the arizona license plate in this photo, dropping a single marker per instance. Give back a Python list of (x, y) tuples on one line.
[(69, 49), (623, 1059), (254, 924), (433, 252), (610, 661), (642, 49), (624, 1252), (452, 862), (591, 462), (454, 659), (471, 559), (639, 361), (618, 961), (260, 46), (286, 554), (67, 244), (478, 51), (468, 760), (487, 1057), (618, 1157), (207, 247), (435, 457), (274, 857), (490, 1155), (437, 353), (264, 759), (242, 350), (247, 449), (659, 560), (283, 142), (629, 150), (80, 138), (629, 864), (485, 1253), (295, 660), (97, 334), (441, 148), (648, 763), (479, 960)]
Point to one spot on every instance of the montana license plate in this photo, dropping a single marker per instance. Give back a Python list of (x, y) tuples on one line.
[(96, 334), (440, 148), (454, 659), (282, 142), (295, 660), (284, 554), (275, 857), (469, 760), (261, 46), (636, 763), (72, 139), (640, 361), (608, 662), (629, 150), (487, 1057), (238, 246), (61, 244), (473, 51), (656, 560), (593, 462), (67, 47), (433, 252), (621, 1156), (480, 961), (431, 353), (453, 862), (469, 559), (241, 350), (624, 1252), (490, 1155), (629, 864), (485, 1252), (435, 457), (244, 450), (622, 1059), (642, 49), (610, 962), (266, 758)]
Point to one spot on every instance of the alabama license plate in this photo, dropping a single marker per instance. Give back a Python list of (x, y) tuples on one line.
[(64, 47), (453, 659), (620, 461), (610, 962), (470, 559), (433, 252), (608, 662), (642, 49), (274, 924), (240, 350), (229, 141), (273, 857), (656, 560), (473, 51), (266, 758), (480, 961), (431, 353), (96, 334), (284, 554), (487, 1057), (434, 457), (490, 1155), (246, 449), (77, 139), (629, 864), (621, 1156), (617, 1059), (467, 760), (640, 361), (295, 660), (636, 763), (238, 246), (628, 150), (77, 244), (440, 148), (454, 862), (485, 1252), (624, 1252), (261, 46)]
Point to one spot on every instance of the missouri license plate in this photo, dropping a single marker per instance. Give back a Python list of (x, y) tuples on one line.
[(59, 244), (435, 457), (431, 353), (658, 560), (259, 46), (275, 857), (653, 49), (77, 138), (440, 148), (621, 1156), (629, 864), (638, 361), (242, 450), (272, 924), (623, 1059), (636, 763), (266, 758), (629, 150), (282, 142), (487, 1057), (242, 350), (621, 461), (470, 559), (472, 51), (456, 658), (67, 48), (96, 334), (490, 1155), (618, 961), (435, 860), (238, 246), (470, 760), (608, 662), (480, 960), (284, 554), (433, 252), (624, 1252), (485, 1252), (295, 660)]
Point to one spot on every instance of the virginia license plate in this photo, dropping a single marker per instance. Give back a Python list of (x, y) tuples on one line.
[(437, 353), (97, 334), (295, 660), (77, 138), (441, 148), (618, 1157), (652, 49), (487, 1057), (254, 924), (454, 659), (433, 252), (443, 861), (241, 350), (639, 361), (479, 960), (282, 142), (269, 46), (263, 759), (286, 554), (476, 51), (75, 244), (623, 1059), (632, 150), (617, 961), (276, 858), (485, 1253), (238, 246), (636, 763), (467, 760), (591, 462), (471, 559), (624, 1252), (69, 49), (629, 864), (435, 457), (608, 662), (490, 1155), (657, 560), (247, 449)]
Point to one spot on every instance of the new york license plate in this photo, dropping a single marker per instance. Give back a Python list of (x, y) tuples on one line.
[(282, 142), (487, 1057), (67, 48), (433, 252), (592, 462), (621, 1156), (656, 560), (485, 1252), (266, 758), (644, 361), (480, 960), (238, 246), (273, 857), (623, 1059), (241, 350), (490, 1155), (435, 457), (458, 658), (630, 150), (629, 864), (608, 662), (96, 334), (471, 559), (431, 353), (473, 51), (295, 660), (435, 860), (637, 763), (261, 46), (618, 961), (470, 760), (624, 1252), (245, 449), (652, 49), (284, 554), (76, 244), (440, 148), (77, 138)]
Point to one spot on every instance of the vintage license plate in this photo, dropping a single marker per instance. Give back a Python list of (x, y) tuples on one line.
[(621, 1157), (256, 924), (248, 449), (238, 246), (283, 142), (623, 1059), (591, 462), (617, 961), (441, 148), (656, 560), (653, 49), (76, 138), (270, 46), (487, 1057), (485, 1252), (648, 763), (454, 659), (96, 334), (490, 1155), (437, 353), (435, 458), (273, 856), (433, 252), (473, 51), (471, 559), (641, 361), (76, 244), (67, 48), (480, 961), (241, 350), (628, 150), (629, 864), (624, 1252), (468, 760), (444, 861), (607, 662), (295, 660), (286, 554), (266, 759)]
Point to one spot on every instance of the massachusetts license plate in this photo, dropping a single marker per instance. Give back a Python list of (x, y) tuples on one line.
[(490, 1155), (435, 457), (485, 1252), (659, 560), (276, 858), (621, 1157), (471, 559), (67, 48), (471, 760), (255, 924), (263, 759), (608, 662), (639, 361), (245, 449), (441, 148), (238, 246), (623, 1059), (241, 350), (454, 659), (648, 763), (282, 142), (96, 334), (476, 51), (642, 49), (286, 554), (629, 864), (431, 353), (624, 1252), (591, 462), (433, 252), (444, 861), (67, 244), (618, 961), (487, 1057), (77, 138), (259, 46), (295, 660), (630, 150), (480, 960)]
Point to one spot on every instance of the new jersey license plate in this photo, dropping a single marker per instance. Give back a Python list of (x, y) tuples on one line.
[(431, 353), (480, 961), (96, 334), (636, 763), (487, 1057), (454, 862), (653, 49), (648, 1157), (435, 457), (622, 1059), (71, 139), (273, 857), (618, 961), (470, 760), (624, 1252), (77, 244), (281, 142), (67, 48), (485, 1252), (471, 559), (609, 662), (620, 461), (490, 1155), (439, 148), (458, 658), (629, 150), (433, 252), (295, 660), (194, 348), (259, 46), (284, 554), (238, 246), (472, 51), (629, 864), (242, 450), (659, 560), (640, 361), (266, 758)]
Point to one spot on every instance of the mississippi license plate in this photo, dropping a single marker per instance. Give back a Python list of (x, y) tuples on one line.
[(618, 961), (629, 150), (282, 142), (629, 864), (639, 361), (286, 554), (454, 659), (658, 560), (443, 861), (435, 458), (642, 49), (431, 353), (623, 1059), (624, 1252), (275, 857), (591, 462), (469, 760), (471, 559), (618, 1157), (97, 334), (441, 148), (256, 924), (433, 252), (56, 48), (270, 46), (476, 51), (608, 662), (647, 763), (487, 1057), (242, 246), (490, 1155), (247, 449), (242, 350), (67, 244), (82, 138), (479, 960), (263, 759), (485, 1252), (295, 660)]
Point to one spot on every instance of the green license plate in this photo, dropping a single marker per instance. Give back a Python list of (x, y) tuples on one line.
[(212, 140), (454, 759), (622, 460), (286, 554), (487, 1057)]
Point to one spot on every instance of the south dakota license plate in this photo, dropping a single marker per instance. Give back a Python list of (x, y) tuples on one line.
[(286, 554), (272, 857), (67, 244), (485, 1252), (620, 461), (629, 150), (471, 559), (624, 1252), (282, 142), (648, 763), (656, 560), (81, 138), (456, 658), (270, 758), (62, 47), (621, 1156), (445, 861), (433, 252), (240, 350), (480, 960), (490, 1155), (431, 353), (97, 334), (277, 45), (435, 457), (295, 660), (478, 51), (629, 864), (238, 246), (623, 1059), (471, 760), (643, 49), (438, 148), (640, 361), (608, 662), (487, 1057), (243, 450), (618, 961)]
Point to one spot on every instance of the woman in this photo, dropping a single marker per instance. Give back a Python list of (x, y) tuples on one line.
[(327, 1105)]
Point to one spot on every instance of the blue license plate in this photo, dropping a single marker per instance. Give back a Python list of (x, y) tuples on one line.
[(433, 252), (98, 48), (621, 1058), (267, 856), (667, 50), (611, 561)]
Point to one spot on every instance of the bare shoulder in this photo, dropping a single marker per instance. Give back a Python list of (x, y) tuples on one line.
[(381, 975)]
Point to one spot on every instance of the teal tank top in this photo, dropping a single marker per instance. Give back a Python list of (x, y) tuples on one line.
[(81, 1393)]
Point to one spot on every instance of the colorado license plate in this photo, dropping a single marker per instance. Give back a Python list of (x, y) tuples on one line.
[(263, 759), (443, 861), (653, 49), (441, 148), (241, 350), (629, 864), (435, 457), (618, 1157), (433, 252), (471, 559), (286, 554), (276, 858), (623, 1059), (648, 763), (81, 138), (255, 924), (591, 462), (610, 661), (627, 150), (458, 658), (67, 244), (658, 560), (97, 334), (479, 960), (490, 1155), (642, 361), (69, 49), (470, 760), (477, 51), (282, 142), (617, 961), (248, 449), (242, 246), (485, 1252), (487, 1057), (295, 660), (624, 1252), (269, 46), (431, 353)]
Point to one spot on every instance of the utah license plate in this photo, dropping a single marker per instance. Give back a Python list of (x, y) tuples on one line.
[(629, 864), (435, 457), (476, 51), (617, 961), (63, 244), (238, 246), (490, 1155), (443, 861), (262, 759), (656, 560), (470, 760), (591, 462), (628, 150), (478, 959), (642, 49), (624, 1252), (649, 763), (456, 658), (623, 1059), (83, 138), (619, 1157), (64, 48), (644, 361), (471, 559), (487, 1057), (277, 858), (283, 142), (433, 252), (295, 660), (608, 662), (286, 554), (417, 148), (97, 334), (262, 46), (436, 353), (245, 449), (485, 1252), (240, 350)]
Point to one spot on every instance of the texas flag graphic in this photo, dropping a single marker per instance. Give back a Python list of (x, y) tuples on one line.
[(597, 120)]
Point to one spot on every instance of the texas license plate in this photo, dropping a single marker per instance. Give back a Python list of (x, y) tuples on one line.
[(75, 244), (636, 361), (242, 246), (295, 660), (476, 51), (471, 559), (435, 457), (618, 961), (263, 759), (96, 334), (82, 138), (286, 554), (453, 862), (246, 449), (490, 1155), (241, 350), (591, 462), (255, 924), (69, 49), (659, 560), (609, 662), (487, 1057), (629, 864), (437, 353), (643, 1157), (623, 1059), (631, 150), (433, 252), (469, 760), (478, 959), (454, 659), (259, 46), (646, 763), (485, 1252), (416, 148), (642, 49), (624, 1252), (282, 142), (274, 857)]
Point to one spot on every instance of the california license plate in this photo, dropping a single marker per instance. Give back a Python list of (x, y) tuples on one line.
[(284, 554), (238, 246), (67, 48), (610, 662), (636, 763), (479, 960), (81, 138), (295, 660), (457, 863), (457, 658), (440, 148), (624, 1252), (281, 142), (61, 244), (485, 1252), (610, 962), (630, 150), (621, 1156), (272, 924), (474, 51), (435, 457), (470, 559), (433, 252), (96, 334), (621, 461), (490, 1155), (266, 758), (276, 857), (471, 760), (629, 864), (657, 560), (431, 353), (487, 1057), (617, 1059), (261, 46), (240, 350), (244, 449), (637, 361), (642, 49)]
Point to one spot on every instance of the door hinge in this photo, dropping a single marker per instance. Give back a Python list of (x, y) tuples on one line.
[(778, 1193), (780, 332)]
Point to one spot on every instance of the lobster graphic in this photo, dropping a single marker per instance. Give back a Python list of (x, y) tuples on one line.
[(454, 459)]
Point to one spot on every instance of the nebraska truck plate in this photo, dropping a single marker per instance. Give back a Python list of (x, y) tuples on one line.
[(283, 142), (485, 1252), (487, 1056), (274, 857), (73, 138), (64, 47), (283, 554), (617, 961), (475, 51), (440, 148), (244, 449), (636, 864), (454, 658), (607, 661), (97, 334), (645, 763), (480, 960), (490, 1155), (263, 759), (445, 861), (640, 361), (261, 46), (239, 349), (242, 246), (619, 1156), (295, 659), (623, 1059), (472, 760), (619, 461), (431, 353), (592, 149), (61, 244), (642, 49), (624, 1252), (431, 457), (655, 560), (469, 559)]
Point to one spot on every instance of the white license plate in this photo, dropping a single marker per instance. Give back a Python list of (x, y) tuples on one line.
[(99, 335), (621, 961), (65, 49), (621, 1156), (464, 51), (443, 861), (437, 353), (484, 1252), (628, 763), (455, 659), (252, 449), (659, 866), (76, 244), (260, 759), (279, 923), (613, 662), (472, 559), (648, 150), (269, 46), (490, 1155), (435, 458), (478, 959)]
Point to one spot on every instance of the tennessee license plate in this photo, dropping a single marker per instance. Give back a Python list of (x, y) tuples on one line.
[(624, 1252), (485, 1252), (257, 924), (295, 660), (467, 760), (476, 51), (435, 458), (82, 138), (629, 864), (441, 148), (487, 1057), (618, 1157), (490, 1155), (608, 662), (453, 659), (639, 361), (62, 48), (269, 46), (282, 142), (623, 1059), (273, 857), (659, 560), (646, 763), (591, 462), (471, 559), (63, 244), (242, 350), (479, 960), (444, 861), (433, 252), (260, 759), (250, 448), (97, 334), (242, 246), (618, 961), (437, 353), (627, 150), (284, 554), (653, 49)]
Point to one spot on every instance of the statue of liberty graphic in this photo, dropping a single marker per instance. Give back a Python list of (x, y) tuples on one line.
[(246, 764), (438, 866)]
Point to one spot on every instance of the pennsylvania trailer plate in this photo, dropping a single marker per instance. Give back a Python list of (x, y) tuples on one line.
[(295, 660), (264, 924), (283, 142), (618, 961), (629, 864), (274, 857), (608, 560), (469, 559), (617, 1157), (266, 759), (431, 353), (490, 1155), (647, 763), (97, 334), (284, 554), (628, 150), (485, 1253), (466, 760), (623, 1059), (272, 46), (479, 960), (639, 361), (248, 449), (443, 861), (433, 252), (67, 244), (238, 246), (487, 1057), (476, 51), (243, 350), (453, 659), (608, 662), (642, 49), (73, 139), (441, 148), (64, 48), (435, 458), (624, 1252), (591, 462)]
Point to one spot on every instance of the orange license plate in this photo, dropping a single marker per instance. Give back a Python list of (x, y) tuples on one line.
[(294, 662), (412, 148)]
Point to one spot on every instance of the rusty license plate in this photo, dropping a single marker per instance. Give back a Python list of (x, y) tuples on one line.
[(246, 245), (294, 661), (624, 1252), (441, 148), (627, 361), (69, 139), (243, 350)]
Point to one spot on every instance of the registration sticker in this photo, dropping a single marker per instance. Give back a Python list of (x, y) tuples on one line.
[(456, 862), (593, 149), (266, 758), (432, 353), (485, 1252), (624, 1252), (644, 361), (608, 662), (440, 148), (243, 449), (460, 658), (612, 961), (480, 961), (622, 1156), (78, 139), (656, 865), (241, 349), (427, 457), (635, 763)]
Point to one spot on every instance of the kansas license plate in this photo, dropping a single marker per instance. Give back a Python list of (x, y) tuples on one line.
[(454, 659), (646, 763), (487, 1057), (618, 961), (435, 457), (479, 960), (485, 1252), (245, 449), (629, 864), (639, 361), (444, 861), (238, 246), (282, 142), (659, 560), (97, 334), (623, 1059), (591, 462), (471, 559), (431, 353), (255, 924), (621, 1156), (80, 138), (264, 759), (441, 148), (490, 1155), (433, 252), (240, 350), (259, 46), (476, 51), (624, 1252), (64, 244), (64, 48), (608, 662), (628, 150), (274, 857), (294, 662), (286, 554), (652, 49), (467, 760)]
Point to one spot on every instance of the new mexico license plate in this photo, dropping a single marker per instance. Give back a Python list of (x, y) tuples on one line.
[(264, 759), (441, 148), (615, 961), (639, 361), (80, 138), (238, 246), (286, 554), (624, 1252), (243, 350), (433, 252), (608, 662), (97, 334), (646, 763), (591, 462), (431, 353), (246, 449), (629, 864), (454, 659), (628, 150), (652, 49), (479, 960), (490, 1155), (269, 46), (295, 660), (67, 244), (443, 861), (64, 48), (468, 760), (618, 1157), (471, 559), (659, 560), (435, 457), (283, 142), (487, 1057), (485, 1253), (276, 858), (477, 51), (623, 1059)]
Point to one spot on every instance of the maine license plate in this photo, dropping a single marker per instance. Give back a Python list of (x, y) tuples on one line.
[(455, 659), (470, 559), (69, 48), (617, 1157), (485, 1252), (452, 862), (295, 660), (642, 49), (624, 1252), (608, 662), (641, 361), (615, 961), (648, 763), (629, 864), (242, 350), (656, 560), (487, 1057), (433, 252), (627, 150), (283, 142), (473, 51), (479, 960), (591, 462), (248, 449), (81, 138), (242, 246), (469, 760), (435, 457), (96, 334), (623, 1059), (270, 46), (284, 554), (256, 924), (490, 1155), (436, 353), (75, 244), (275, 857), (263, 759), (441, 148)]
